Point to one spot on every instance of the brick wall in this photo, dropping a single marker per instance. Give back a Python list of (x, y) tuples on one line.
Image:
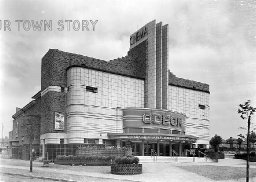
[(27, 124), (140, 55), (28, 121), (53, 69), (51, 102), (190, 84), (53, 73)]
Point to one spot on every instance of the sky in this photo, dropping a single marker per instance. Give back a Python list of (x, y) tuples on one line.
[(210, 41)]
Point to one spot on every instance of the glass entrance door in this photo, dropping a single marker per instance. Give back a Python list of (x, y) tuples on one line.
[(150, 148), (164, 149)]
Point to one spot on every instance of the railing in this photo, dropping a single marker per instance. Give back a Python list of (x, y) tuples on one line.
[(202, 153), (174, 152), (205, 155), (154, 155), (192, 152)]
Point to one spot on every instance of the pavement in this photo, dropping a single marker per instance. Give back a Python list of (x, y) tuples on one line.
[(152, 171)]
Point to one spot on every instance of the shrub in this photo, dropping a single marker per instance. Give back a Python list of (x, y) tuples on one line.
[(252, 154), (213, 155), (221, 155), (127, 160), (69, 157), (136, 160), (252, 157)]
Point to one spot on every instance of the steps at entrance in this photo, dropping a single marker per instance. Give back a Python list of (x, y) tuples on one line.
[(167, 159)]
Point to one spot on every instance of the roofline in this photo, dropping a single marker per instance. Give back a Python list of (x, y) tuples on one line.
[(25, 108), (37, 95), (106, 71), (195, 89)]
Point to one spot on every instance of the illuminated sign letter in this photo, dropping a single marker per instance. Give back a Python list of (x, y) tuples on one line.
[(166, 120), (157, 118), (146, 118), (140, 34), (173, 121), (179, 124), (132, 40)]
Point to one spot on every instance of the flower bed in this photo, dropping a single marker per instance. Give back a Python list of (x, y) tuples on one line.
[(127, 165), (84, 160)]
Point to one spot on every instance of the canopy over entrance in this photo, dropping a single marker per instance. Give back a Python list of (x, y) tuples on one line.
[(153, 136)]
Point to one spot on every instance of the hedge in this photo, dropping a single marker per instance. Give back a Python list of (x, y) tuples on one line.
[(252, 156), (84, 160)]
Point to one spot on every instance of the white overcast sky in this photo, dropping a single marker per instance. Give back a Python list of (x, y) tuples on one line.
[(211, 41)]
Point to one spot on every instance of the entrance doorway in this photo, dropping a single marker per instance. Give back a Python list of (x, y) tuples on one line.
[(150, 148), (160, 149)]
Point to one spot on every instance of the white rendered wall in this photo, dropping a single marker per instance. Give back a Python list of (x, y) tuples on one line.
[(187, 101), (93, 115)]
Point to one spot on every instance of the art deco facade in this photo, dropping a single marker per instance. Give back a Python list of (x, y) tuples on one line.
[(134, 101)]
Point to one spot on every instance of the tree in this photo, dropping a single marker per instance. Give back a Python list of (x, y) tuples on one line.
[(252, 138), (246, 111), (215, 142), (230, 141), (239, 142)]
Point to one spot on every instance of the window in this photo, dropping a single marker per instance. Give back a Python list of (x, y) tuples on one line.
[(62, 89), (165, 131), (201, 106), (134, 130), (150, 130), (92, 89), (91, 141), (62, 141), (175, 132)]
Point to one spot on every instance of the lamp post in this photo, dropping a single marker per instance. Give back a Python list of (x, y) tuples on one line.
[(30, 133)]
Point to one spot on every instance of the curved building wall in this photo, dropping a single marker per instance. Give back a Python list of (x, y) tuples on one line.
[(93, 113), (195, 105)]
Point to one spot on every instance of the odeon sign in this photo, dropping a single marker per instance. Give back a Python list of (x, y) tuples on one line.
[(166, 120), (140, 34)]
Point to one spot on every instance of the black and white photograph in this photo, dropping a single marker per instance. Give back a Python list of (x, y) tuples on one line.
[(128, 90)]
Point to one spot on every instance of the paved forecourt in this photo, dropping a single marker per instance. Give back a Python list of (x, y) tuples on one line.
[(152, 171)]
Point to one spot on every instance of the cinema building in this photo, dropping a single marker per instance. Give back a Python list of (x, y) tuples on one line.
[(133, 101)]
